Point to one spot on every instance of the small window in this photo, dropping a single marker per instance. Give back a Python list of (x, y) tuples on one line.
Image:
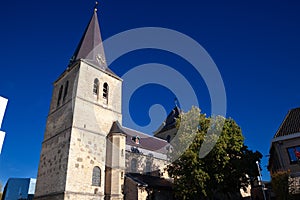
[(105, 92), (96, 179), (122, 175), (59, 95), (96, 87), (148, 167), (122, 152), (294, 154), (66, 90), (136, 139), (134, 165), (168, 138)]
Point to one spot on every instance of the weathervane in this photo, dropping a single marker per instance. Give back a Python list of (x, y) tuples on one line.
[(96, 6)]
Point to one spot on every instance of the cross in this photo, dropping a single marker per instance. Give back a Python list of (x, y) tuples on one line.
[(96, 6)]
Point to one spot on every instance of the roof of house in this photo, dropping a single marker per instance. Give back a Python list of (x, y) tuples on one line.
[(290, 124), (154, 182), (145, 141)]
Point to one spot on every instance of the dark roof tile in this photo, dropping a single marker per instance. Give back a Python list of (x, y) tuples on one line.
[(170, 121), (146, 141), (90, 47), (290, 124)]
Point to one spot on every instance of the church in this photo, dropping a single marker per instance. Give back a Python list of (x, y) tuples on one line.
[(86, 152)]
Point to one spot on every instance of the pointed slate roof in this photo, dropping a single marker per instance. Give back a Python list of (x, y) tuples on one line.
[(290, 124), (90, 47), (116, 128), (170, 121)]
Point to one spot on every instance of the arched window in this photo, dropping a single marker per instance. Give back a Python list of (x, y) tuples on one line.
[(148, 167), (59, 95), (96, 179), (66, 90), (105, 92), (96, 87), (133, 165)]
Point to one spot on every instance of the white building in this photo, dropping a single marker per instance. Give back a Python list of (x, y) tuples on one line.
[(3, 104)]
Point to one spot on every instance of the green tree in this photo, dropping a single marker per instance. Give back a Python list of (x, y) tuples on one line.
[(1, 193), (280, 184), (222, 172)]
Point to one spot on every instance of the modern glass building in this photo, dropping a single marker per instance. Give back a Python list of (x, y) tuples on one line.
[(19, 189)]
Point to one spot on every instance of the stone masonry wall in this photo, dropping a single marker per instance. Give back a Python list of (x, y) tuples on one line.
[(92, 122), (52, 170)]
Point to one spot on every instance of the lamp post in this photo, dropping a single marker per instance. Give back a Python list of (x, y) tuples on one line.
[(260, 177)]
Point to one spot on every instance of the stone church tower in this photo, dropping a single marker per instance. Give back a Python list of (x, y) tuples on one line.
[(82, 154)]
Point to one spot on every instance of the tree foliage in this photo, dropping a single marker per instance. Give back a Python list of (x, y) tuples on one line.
[(280, 184), (1, 192), (222, 172)]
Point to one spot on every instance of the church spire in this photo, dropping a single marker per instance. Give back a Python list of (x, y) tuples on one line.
[(90, 47)]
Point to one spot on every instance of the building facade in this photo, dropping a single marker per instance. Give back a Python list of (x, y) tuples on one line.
[(285, 148), (3, 104), (86, 152), (19, 189)]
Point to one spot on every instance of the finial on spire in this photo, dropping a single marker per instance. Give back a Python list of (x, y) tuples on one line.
[(176, 102), (96, 6)]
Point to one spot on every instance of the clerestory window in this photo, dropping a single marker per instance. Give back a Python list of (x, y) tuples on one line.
[(133, 165), (148, 167)]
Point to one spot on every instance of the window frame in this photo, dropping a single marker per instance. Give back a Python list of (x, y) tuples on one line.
[(60, 95), (148, 167), (105, 92), (96, 176), (133, 165), (96, 87), (292, 157), (66, 90)]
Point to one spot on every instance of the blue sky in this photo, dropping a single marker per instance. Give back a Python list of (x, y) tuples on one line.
[(255, 45)]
